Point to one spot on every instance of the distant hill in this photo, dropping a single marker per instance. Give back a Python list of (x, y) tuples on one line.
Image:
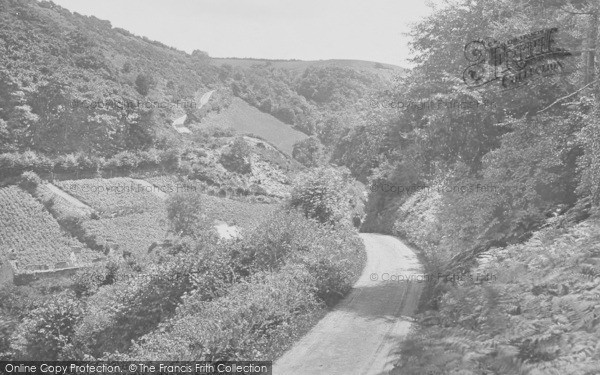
[(75, 87), (245, 119), (385, 70)]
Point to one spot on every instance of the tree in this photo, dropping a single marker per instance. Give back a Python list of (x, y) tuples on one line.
[(184, 211), (238, 157), (47, 332), (126, 67), (309, 152), (143, 83), (323, 194)]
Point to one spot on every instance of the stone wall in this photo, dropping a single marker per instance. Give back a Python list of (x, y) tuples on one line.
[(25, 278)]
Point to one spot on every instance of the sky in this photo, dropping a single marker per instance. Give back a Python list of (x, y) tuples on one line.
[(272, 29)]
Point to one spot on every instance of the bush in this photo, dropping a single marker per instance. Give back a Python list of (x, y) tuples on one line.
[(150, 158), (333, 256), (238, 157), (324, 194), (249, 322), (143, 83), (171, 158), (30, 181), (309, 152), (89, 163), (280, 237), (66, 163), (125, 161), (184, 211), (47, 332)]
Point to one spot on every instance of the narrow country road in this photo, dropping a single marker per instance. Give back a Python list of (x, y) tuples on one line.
[(362, 335)]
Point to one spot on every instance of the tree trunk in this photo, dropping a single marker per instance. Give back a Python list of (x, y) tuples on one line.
[(590, 56)]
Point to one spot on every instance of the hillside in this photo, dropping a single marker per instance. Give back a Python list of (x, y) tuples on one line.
[(74, 83), (107, 90), (30, 236), (245, 119), (387, 71), (531, 307)]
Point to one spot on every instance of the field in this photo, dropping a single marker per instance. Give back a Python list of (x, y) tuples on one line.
[(245, 119), (62, 202), (244, 214), (233, 212), (133, 233), (113, 197), (135, 217), (131, 215), (34, 235)]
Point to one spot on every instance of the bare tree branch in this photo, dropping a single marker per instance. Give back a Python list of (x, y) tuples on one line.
[(568, 11), (568, 96)]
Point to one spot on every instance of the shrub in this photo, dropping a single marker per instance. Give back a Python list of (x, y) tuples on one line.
[(89, 163), (8, 163), (143, 83), (246, 323), (126, 67), (324, 194), (150, 158), (47, 332), (309, 152), (171, 158), (184, 211), (30, 181), (333, 256), (67, 163), (284, 234), (238, 157), (125, 161)]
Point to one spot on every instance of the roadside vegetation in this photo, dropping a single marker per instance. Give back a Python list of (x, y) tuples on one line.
[(509, 190), (193, 295)]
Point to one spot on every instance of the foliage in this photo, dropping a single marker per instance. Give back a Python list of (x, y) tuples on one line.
[(332, 256), (30, 181), (243, 324), (72, 83), (309, 152), (288, 269), (520, 162), (185, 213), (47, 332), (143, 83), (323, 194), (31, 233), (114, 196), (237, 159), (589, 162), (537, 312)]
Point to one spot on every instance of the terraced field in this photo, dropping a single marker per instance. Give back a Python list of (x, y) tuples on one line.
[(133, 215), (29, 230), (114, 196), (134, 232), (231, 211)]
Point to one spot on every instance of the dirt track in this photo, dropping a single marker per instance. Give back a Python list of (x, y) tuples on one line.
[(362, 335)]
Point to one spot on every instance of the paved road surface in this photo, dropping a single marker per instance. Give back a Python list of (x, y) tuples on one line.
[(362, 335)]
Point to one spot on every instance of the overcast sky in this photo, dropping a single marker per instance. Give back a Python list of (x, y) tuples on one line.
[(275, 29)]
